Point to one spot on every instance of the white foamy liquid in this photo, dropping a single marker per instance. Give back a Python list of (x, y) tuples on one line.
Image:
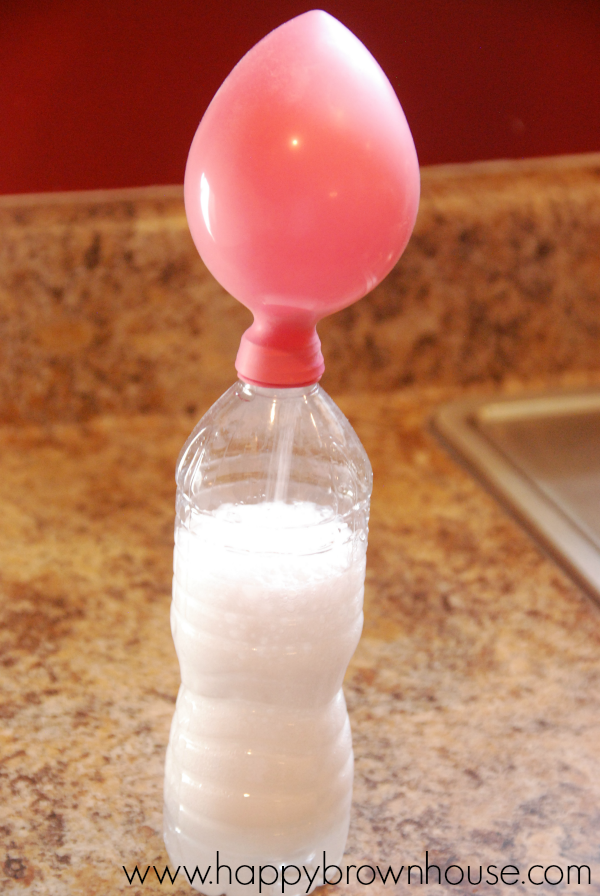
[(266, 613)]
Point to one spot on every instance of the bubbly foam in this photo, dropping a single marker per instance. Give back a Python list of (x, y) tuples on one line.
[(266, 613)]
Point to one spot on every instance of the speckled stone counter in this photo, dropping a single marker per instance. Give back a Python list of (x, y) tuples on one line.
[(105, 306), (474, 694)]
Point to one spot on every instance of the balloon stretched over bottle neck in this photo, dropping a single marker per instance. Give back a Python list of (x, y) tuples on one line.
[(301, 189), (280, 350)]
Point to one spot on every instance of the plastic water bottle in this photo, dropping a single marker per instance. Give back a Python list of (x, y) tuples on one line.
[(301, 191), (270, 543)]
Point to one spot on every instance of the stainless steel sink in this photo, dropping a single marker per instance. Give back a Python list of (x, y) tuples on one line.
[(540, 454)]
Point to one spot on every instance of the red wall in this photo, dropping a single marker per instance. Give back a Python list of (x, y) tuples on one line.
[(109, 93)]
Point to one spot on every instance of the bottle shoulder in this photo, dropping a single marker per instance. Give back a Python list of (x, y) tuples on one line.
[(276, 443)]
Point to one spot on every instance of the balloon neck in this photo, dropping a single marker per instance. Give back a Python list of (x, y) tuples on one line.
[(280, 350)]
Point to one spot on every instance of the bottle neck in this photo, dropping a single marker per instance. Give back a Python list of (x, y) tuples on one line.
[(279, 392)]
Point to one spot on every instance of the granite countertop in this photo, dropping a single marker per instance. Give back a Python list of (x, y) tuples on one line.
[(474, 693)]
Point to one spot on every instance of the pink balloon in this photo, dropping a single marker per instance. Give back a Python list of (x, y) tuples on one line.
[(301, 189)]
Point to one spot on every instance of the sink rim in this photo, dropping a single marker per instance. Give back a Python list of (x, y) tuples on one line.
[(457, 426)]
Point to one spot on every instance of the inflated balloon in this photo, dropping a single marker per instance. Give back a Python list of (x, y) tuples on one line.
[(301, 189)]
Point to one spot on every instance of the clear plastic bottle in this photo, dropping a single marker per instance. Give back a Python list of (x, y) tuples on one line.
[(270, 543)]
